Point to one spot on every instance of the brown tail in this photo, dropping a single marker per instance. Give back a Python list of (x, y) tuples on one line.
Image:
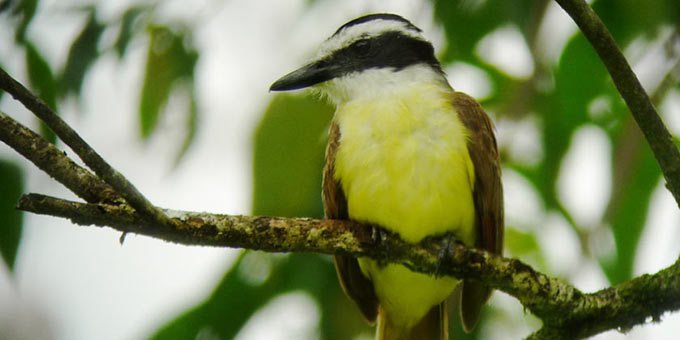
[(473, 297), (434, 326)]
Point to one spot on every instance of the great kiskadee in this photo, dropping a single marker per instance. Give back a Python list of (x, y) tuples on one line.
[(407, 153)]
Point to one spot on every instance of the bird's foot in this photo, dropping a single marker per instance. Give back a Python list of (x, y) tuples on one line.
[(444, 258), (379, 236)]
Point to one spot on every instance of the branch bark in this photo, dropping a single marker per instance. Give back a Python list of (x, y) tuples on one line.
[(566, 312), (54, 162), (88, 155), (628, 85)]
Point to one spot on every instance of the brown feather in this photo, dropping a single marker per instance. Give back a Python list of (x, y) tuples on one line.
[(487, 196), (433, 326), (353, 282)]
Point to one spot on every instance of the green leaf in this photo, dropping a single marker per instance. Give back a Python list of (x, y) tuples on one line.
[(288, 157), (288, 160), (127, 28), (635, 176), (625, 19), (169, 60), (42, 81), (191, 123), (467, 22), (567, 108), (81, 55), (630, 216), (11, 188), (225, 313), (26, 10), (241, 294)]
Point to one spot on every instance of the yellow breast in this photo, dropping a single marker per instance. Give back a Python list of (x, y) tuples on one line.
[(404, 164)]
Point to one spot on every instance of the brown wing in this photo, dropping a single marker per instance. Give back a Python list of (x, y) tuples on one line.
[(487, 196), (353, 282)]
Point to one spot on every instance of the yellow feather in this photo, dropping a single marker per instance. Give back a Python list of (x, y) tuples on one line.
[(403, 163)]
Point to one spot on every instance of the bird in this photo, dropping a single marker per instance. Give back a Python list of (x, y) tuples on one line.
[(409, 154)]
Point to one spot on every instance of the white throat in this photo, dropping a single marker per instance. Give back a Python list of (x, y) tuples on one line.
[(381, 82)]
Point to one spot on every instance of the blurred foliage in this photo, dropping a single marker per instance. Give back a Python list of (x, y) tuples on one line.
[(255, 280), (288, 154), (289, 147), (127, 27), (42, 80), (82, 54), (289, 141), (11, 188), (170, 63), (23, 11)]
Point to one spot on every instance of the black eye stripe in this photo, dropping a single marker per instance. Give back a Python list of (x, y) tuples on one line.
[(361, 47), (392, 49)]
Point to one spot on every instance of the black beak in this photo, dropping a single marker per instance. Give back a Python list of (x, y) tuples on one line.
[(306, 76)]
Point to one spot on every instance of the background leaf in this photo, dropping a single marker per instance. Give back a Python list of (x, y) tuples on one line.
[(127, 28), (289, 148), (25, 10), (625, 20), (239, 296), (81, 55), (635, 177), (567, 108), (191, 124), (168, 62), (42, 81), (288, 157), (11, 188), (466, 22)]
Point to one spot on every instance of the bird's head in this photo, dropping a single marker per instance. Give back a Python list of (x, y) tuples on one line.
[(366, 56)]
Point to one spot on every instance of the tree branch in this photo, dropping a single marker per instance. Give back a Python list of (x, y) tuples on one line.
[(621, 307), (565, 310), (91, 158), (658, 137), (54, 162)]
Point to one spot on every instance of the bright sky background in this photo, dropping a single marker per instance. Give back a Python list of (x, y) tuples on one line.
[(80, 283)]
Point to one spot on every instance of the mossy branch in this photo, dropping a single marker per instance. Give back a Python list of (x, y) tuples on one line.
[(564, 310)]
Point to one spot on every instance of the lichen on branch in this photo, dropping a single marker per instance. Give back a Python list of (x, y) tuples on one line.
[(563, 309)]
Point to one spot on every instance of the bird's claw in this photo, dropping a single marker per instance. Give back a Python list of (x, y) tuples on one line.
[(379, 236), (445, 254)]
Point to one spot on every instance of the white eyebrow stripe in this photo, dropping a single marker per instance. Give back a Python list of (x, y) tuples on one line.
[(364, 30)]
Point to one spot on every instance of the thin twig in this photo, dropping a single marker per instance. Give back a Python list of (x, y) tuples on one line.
[(628, 85), (54, 162), (563, 308), (91, 158)]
